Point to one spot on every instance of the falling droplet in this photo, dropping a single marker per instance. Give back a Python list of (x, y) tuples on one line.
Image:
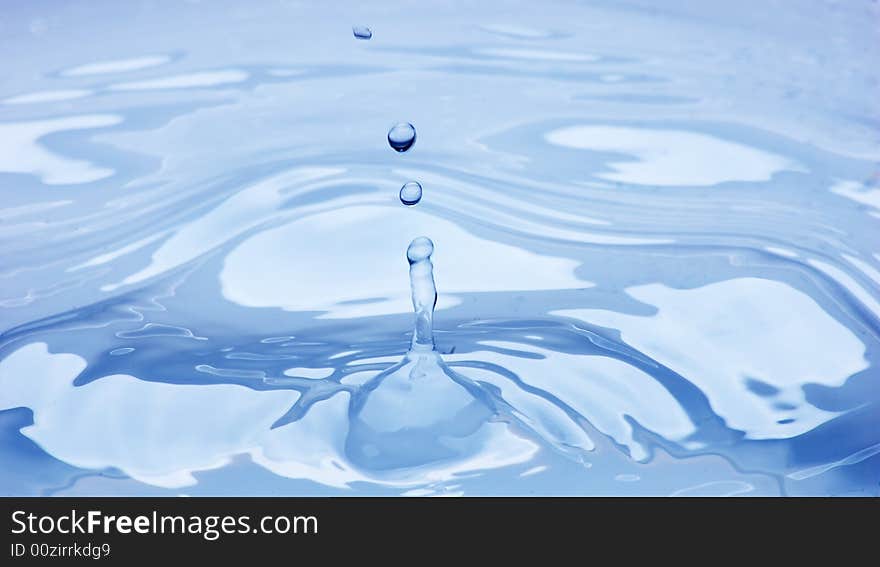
[(424, 294), (362, 32), (411, 193), (402, 136)]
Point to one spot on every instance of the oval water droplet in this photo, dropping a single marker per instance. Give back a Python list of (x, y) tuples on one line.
[(419, 249), (402, 136), (362, 32), (411, 193)]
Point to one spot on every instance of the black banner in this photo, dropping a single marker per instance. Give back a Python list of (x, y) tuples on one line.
[(127, 530)]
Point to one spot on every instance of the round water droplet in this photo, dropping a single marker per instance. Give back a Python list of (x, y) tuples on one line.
[(402, 136), (411, 193), (362, 32), (420, 249)]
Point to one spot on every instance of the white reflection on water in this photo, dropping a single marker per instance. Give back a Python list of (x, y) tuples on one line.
[(671, 157), (116, 66), (190, 81), (723, 335), (22, 152)]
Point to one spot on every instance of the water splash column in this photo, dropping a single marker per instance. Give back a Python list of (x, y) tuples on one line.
[(424, 294), (418, 411)]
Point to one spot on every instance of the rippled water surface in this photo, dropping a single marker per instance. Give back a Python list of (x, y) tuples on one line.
[(655, 232)]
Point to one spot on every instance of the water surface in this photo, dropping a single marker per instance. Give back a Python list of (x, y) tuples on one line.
[(655, 229)]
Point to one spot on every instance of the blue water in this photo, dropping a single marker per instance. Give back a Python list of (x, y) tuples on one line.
[(655, 248)]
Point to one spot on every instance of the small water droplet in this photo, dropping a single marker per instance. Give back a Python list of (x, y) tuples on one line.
[(419, 249), (362, 32), (411, 193), (402, 136)]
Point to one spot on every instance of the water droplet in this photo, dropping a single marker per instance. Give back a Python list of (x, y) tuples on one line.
[(362, 32), (411, 193), (419, 249), (402, 136)]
